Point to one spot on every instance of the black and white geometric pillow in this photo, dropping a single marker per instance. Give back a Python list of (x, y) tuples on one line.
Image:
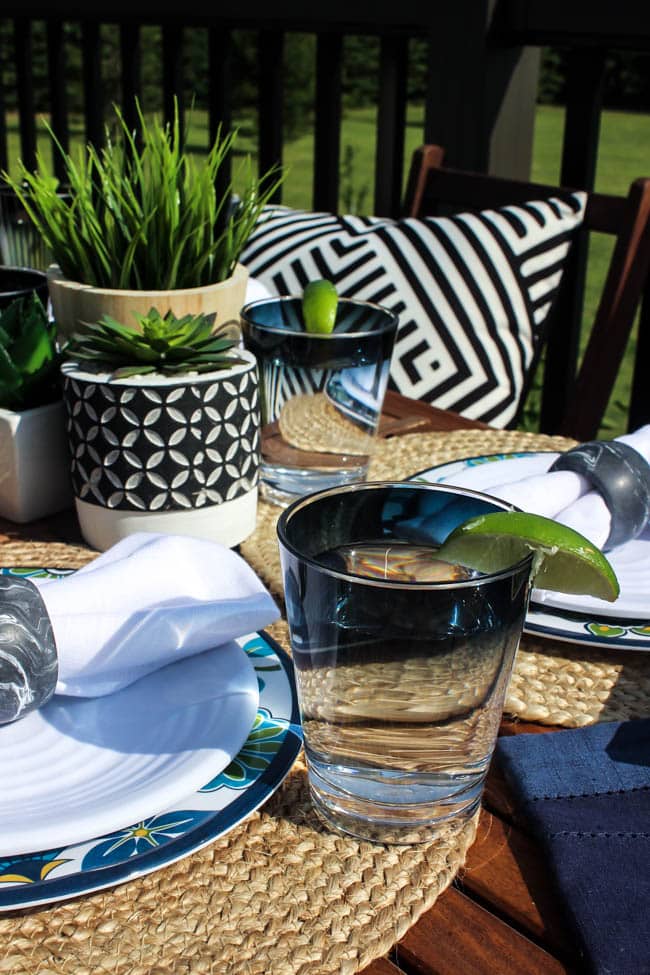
[(472, 291)]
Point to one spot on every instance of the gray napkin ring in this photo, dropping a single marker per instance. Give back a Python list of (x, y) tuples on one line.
[(29, 664), (621, 475)]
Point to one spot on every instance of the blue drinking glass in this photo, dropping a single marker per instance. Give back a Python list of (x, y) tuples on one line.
[(402, 662)]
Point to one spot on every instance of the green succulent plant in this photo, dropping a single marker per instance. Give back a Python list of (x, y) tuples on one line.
[(29, 358), (141, 213), (165, 344)]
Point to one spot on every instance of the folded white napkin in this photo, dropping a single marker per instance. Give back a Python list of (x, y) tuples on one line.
[(255, 291), (566, 496), (147, 602)]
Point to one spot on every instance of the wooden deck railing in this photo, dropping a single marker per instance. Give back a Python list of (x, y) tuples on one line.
[(483, 61)]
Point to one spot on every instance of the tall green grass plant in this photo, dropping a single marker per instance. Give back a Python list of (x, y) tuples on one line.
[(146, 214)]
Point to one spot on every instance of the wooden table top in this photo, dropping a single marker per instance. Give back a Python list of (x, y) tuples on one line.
[(501, 914)]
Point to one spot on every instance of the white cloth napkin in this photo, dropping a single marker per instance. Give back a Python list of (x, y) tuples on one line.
[(566, 496), (146, 602), (255, 291)]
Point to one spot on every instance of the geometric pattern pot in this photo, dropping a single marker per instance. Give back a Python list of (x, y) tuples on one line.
[(165, 444)]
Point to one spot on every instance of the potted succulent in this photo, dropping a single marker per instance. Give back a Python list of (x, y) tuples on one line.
[(34, 465), (143, 225), (163, 426)]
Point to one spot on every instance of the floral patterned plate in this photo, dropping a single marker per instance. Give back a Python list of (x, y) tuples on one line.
[(593, 626), (260, 767)]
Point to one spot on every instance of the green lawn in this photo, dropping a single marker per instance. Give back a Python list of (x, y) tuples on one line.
[(624, 154)]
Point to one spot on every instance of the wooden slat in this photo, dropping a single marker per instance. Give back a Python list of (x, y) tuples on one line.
[(172, 53), (270, 114), (640, 397), (381, 967), (92, 82), (391, 122), (25, 94), (458, 937), (626, 276), (327, 129), (397, 406), (506, 871), (56, 65)]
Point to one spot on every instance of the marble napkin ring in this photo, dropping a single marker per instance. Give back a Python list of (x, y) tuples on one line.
[(621, 475), (29, 665)]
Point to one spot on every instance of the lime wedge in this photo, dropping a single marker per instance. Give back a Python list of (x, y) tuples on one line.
[(564, 560), (319, 303)]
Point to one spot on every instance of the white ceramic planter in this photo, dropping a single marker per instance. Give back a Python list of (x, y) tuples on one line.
[(34, 463), (178, 455), (74, 303)]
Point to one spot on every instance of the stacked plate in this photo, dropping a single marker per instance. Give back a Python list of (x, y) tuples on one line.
[(106, 789), (624, 624)]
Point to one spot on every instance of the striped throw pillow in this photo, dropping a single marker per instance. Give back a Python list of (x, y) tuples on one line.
[(472, 291)]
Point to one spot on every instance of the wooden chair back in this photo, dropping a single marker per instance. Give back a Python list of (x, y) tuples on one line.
[(572, 404)]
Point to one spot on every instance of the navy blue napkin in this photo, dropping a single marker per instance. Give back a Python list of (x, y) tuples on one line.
[(586, 795)]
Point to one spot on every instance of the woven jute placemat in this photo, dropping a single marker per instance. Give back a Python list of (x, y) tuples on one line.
[(278, 895), (311, 422), (553, 682)]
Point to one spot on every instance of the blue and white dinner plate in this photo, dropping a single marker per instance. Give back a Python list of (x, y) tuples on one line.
[(623, 625), (27, 880)]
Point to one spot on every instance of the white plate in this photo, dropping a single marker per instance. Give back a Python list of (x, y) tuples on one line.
[(624, 623), (228, 798), (78, 768)]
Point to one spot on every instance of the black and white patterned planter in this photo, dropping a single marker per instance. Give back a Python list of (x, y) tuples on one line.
[(164, 454)]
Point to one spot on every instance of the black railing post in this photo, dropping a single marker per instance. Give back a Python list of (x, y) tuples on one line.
[(220, 96), (25, 85), (327, 130), (92, 82), (56, 63), (391, 122), (270, 102), (130, 72), (172, 47), (585, 77), (4, 151)]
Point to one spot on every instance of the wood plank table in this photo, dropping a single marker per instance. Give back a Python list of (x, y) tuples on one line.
[(501, 914)]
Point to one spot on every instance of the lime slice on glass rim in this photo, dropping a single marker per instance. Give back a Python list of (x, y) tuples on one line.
[(564, 560), (319, 304)]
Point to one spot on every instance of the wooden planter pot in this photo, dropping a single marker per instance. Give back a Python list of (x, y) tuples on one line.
[(178, 455), (74, 303)]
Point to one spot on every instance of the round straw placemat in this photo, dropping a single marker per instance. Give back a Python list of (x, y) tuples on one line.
[(278, 895), (311, 422), (553, 682)]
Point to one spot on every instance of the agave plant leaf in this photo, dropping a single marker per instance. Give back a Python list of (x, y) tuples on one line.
[(28, 355), (166, 344), (126, 372), (32, 351), (10, 382)]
